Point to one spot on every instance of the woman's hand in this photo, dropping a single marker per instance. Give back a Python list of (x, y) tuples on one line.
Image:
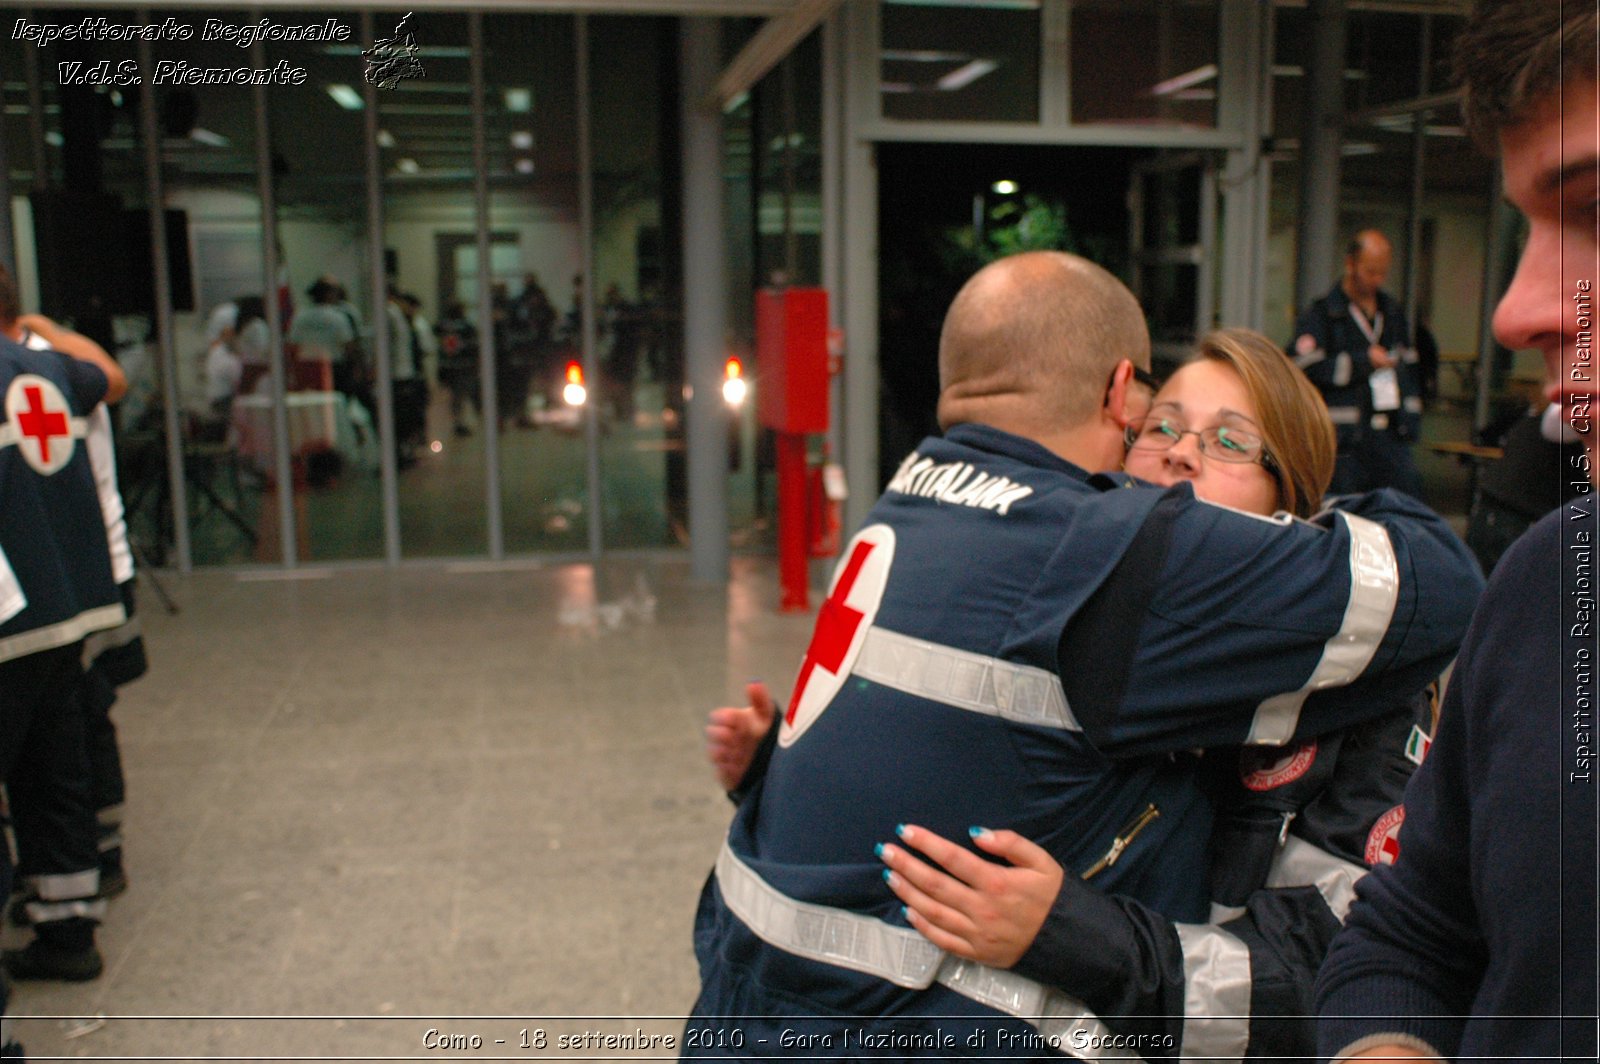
[(733, 733), (974, 908)]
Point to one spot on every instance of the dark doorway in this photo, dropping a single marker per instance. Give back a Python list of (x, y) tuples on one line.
[(942, 216)]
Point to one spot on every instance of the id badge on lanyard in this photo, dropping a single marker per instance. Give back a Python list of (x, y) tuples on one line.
[(1385, 383)]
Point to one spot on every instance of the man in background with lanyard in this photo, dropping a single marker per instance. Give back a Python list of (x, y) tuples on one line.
[(1354, 345)]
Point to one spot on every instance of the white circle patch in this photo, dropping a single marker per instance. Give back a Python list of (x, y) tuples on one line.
[(41, 422), (851, 606)]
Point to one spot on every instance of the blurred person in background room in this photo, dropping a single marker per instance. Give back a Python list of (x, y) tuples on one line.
[(1353, 345)]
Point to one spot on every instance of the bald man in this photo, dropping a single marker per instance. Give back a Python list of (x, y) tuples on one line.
[(1355, 346), (1008, 642)]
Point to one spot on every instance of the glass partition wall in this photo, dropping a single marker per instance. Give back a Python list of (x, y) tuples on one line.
[(344, 376)]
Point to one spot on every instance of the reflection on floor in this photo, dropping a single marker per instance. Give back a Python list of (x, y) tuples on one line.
[(422, 793)]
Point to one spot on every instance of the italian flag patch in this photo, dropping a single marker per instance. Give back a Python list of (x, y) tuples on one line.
[(1417, 745)]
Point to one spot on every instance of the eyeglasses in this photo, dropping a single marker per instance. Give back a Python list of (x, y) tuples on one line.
[(1225, 443)]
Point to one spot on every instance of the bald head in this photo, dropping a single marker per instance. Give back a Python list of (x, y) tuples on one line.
[(1030, 342), (1366, 265)]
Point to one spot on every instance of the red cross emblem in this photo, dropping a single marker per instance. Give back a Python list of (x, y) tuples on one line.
[(841, 627), (1383, 842), (43, 423)]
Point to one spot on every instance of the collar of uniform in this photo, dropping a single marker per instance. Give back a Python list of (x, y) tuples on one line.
[(997, 441)]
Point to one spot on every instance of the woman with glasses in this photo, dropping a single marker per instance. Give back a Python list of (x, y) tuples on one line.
[(1246, 429), (1211, 424)]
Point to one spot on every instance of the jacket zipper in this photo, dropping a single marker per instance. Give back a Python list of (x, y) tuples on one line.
[(1123, 838)]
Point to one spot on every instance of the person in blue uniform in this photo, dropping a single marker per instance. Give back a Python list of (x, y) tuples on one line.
[(1245, 428), (954, 693), (112, 657), (1354, 345), (1479, 943), (56, 587)]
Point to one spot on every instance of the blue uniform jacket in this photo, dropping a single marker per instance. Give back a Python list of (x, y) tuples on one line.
[(1331, 347), (54, 558)]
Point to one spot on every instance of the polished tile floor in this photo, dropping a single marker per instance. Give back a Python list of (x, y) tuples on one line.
[(378, 798)]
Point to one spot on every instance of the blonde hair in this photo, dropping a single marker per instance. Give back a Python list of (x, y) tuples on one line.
[(1294, 420)]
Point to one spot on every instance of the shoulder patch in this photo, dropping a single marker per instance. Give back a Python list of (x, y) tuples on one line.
[(1383, 841), (39, 420), (1417, 745), (852, 604), (1258, 774)]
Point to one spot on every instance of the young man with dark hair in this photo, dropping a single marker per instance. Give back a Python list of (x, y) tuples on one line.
[(1479, 943)]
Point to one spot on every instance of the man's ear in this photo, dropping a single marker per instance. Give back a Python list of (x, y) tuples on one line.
[(1126, 399)]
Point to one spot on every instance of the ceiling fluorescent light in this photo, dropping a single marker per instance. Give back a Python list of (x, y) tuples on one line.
[(1290, 70), (1360, 147), (522, 140), (408, 166), (524, 166), (1198, 76), (735, 103), (346, 97), (962, 76), (897, 87), (519, 101), (991, 5), (205, 136), (898, 55), (385, 139)]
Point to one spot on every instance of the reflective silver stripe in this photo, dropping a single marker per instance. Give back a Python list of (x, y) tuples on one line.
[(111, 638), (1306, 361), (111, 840), (822, 933), (1341, 369), (1063, 1020), (1374, 590), (1412, 404), (77, 428), (1344, 415), (1216, 996), (59, 635), (903, 957), (66, 886), (1300, 864), (44, 912), (960, 678), (1221, 914)]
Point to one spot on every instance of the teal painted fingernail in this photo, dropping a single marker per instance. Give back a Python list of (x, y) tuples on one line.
[(888, 876), (878, 849), (975, 832), (905, 912), (900, 829)]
